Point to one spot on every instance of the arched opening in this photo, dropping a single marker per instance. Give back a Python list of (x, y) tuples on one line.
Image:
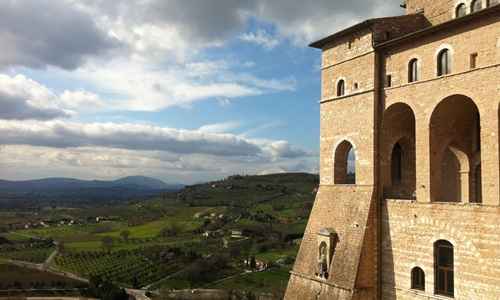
[(461, 10), (413, 74), (418, 279), (398, 169), (443, 62), (476, 5), (454, 146), (341, 88), (443, 268), (345, 164)]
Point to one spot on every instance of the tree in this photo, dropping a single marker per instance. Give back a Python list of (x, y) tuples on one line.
[(171, 230), (107, 243), (60, 247), (125, 235), (253, 263)]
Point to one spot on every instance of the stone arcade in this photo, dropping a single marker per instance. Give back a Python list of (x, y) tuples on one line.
[(409, 205)]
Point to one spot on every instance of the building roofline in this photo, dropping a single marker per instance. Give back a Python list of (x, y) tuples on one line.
[(355, 28), (452, 23), (365, 24)]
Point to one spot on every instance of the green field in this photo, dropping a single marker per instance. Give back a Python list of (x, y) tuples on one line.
[(14, 277), (271, 212)]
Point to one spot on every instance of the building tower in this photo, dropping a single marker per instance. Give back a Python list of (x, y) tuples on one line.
[(408, 204)]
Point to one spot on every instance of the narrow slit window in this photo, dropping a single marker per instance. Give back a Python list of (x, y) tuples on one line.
[(341, 88), (473, 60)]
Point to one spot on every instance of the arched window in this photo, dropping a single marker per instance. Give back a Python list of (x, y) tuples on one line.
[(461, 10), (341, 88), (443, 62), (443, 264), (476, 5), (413, 70), (397, 164), (345, 164), (418, 279)]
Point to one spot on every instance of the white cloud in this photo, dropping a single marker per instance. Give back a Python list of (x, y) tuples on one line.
[(139, 88), (81, 100), (207, 140), (22, 98), (219, 127), (261, 38), (25, 162)]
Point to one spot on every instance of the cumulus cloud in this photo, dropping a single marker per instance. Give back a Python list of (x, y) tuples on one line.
[(21, 162), (140, 88), (22, 99), (41, 33), (60, 134), (194, 20), (81, 100)]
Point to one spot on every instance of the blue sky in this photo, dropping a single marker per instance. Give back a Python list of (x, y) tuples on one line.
[(184, 91)]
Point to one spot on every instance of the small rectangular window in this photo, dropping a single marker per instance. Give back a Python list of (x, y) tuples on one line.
[(473, 60), (388, 81)]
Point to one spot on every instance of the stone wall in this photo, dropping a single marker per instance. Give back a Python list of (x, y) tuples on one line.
[(409, 232)]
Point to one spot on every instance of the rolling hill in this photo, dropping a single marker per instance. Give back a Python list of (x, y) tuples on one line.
[(58, 190)]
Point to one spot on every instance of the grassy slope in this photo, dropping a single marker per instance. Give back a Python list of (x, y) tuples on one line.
[(282, 196)]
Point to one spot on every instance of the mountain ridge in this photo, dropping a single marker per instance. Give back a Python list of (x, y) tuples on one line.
[(67, 183)]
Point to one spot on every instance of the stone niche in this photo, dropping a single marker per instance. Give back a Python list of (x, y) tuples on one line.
[(327, 241)]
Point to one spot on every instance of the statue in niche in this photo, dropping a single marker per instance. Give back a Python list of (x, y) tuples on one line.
[(323, 261), (327, 242)]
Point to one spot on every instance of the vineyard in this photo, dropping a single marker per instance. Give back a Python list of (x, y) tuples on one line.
[(36, 256), (129, 268)]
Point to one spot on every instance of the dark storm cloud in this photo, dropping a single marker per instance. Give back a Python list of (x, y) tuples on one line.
[(215, 20), (39, 33)]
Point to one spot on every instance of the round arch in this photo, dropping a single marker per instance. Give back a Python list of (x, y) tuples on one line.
[(455, 138), (344, 163), (398, 152)]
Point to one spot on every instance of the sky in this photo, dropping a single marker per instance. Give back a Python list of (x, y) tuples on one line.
[(181, 90)]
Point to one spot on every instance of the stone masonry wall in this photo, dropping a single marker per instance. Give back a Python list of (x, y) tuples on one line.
[(438, 11), (480, 84), (409, 232)]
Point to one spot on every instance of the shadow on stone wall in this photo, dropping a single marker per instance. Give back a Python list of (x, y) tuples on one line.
[(387, 274)]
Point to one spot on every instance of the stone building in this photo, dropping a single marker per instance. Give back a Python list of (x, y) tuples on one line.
[(409, 205)]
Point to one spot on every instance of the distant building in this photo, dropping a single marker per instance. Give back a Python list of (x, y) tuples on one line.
[(236, 234)]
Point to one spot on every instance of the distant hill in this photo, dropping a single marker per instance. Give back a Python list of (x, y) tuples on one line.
[(75, 190), (248, 191), (60, 184)]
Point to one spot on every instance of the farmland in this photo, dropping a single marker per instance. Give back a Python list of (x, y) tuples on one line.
[(177, 240)]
